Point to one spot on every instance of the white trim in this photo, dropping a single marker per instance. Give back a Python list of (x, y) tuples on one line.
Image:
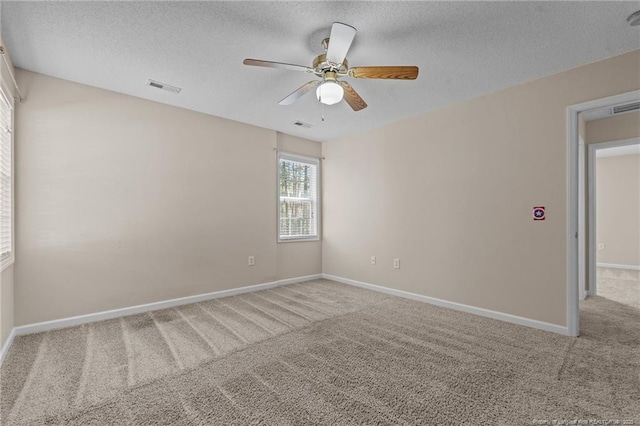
[(9, 100), (620, 151), (295, 280), (573, 263), (7, 344), (614, 144), (300, 158), (591, 208), (582, 253), (293, 239), (455, 306), (7, 262), (573, 326), (132, 310), (618, 266)]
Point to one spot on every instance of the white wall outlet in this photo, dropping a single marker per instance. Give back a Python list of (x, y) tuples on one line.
[(600, 246), (396, 263), (252, 260), (373, 260)]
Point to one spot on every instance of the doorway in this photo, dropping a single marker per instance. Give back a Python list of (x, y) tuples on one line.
[(578, 246), (613, 212)]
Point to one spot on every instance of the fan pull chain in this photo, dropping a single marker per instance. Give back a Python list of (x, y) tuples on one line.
[(322, 114)]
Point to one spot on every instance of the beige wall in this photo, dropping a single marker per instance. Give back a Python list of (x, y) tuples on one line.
[(123, 201), (625, 126), (6, 304), (618, 209), (451, 192)]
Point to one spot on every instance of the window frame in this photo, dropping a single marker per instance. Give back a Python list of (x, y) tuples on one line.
[(5, 263), (283, 155)]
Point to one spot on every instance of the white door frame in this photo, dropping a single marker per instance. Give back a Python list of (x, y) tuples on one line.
[(582, 226), (591, 180), (573, 260)]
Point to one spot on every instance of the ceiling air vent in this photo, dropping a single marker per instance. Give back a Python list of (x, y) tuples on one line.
[(301, 124), (625, 108), (167, 87)]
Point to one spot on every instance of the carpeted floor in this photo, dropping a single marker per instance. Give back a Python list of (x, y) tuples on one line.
[(620, 285), (324, 353)]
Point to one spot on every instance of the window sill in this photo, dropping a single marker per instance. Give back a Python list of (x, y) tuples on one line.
[(298, 240)]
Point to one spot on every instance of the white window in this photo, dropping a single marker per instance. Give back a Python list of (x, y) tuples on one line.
[(6, 182), (298, 179)]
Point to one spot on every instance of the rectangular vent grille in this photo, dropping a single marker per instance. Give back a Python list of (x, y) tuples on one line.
[(301, 124), (167, 87), (626, 108)]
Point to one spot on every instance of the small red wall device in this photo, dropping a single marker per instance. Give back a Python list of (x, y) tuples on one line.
[(539, 213)]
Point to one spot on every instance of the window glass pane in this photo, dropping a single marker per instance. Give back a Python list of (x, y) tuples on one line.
[(298, 210), (295, 179), (297, 218)]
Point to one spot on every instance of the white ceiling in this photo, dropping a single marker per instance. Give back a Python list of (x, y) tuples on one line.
[(463, 49)]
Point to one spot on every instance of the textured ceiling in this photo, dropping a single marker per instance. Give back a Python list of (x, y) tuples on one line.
[(463, 49)]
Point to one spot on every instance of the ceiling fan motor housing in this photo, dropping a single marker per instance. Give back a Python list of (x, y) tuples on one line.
[(321, 66)]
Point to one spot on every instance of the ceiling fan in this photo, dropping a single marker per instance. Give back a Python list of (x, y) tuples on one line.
[(332, 65)]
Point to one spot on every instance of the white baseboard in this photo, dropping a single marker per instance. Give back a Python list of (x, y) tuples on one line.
[(7, 344), (618, 266), (294, 280), (132, 310), (560, 329)]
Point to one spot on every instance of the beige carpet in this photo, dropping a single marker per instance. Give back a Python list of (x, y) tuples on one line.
[(324, 353), (620, 285)]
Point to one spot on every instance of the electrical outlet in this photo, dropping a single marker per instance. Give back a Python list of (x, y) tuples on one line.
[(252, 260), (396, 263), (373, 260), (600, 246)]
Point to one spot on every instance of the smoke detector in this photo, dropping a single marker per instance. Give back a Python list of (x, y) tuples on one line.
[(163, 86)]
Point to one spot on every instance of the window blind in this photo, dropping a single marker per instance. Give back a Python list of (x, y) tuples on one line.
[(6, 178), (298, 193)]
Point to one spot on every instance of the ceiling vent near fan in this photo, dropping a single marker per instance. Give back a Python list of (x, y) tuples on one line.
[(301, 124), (620, 109), (163, 86)]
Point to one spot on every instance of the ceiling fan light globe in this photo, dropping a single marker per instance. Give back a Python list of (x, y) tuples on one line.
[(329, 93)]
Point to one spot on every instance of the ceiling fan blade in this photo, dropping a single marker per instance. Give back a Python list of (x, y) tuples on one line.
[(339, 42), (397, 73), (351, 96), (280, 65), (303, 90)]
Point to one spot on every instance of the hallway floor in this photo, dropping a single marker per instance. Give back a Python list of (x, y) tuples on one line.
[(619, 285)]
